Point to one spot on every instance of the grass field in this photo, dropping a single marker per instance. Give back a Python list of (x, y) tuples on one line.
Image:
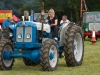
[(90, 66)]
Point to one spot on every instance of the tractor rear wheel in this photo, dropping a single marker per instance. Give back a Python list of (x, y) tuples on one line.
[(29, 62), (6, 48), (73, 46), (49, 55), (6, 32)]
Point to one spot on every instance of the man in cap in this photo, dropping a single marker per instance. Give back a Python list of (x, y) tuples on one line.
[(26, 16)]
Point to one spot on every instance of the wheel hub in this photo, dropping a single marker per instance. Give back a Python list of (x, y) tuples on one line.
[(51, 56), (7, 60), (6, 55), (75, 47)]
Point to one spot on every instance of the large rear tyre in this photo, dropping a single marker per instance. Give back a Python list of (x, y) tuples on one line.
[(49, 55), (6, 32), (6, 49), (73, 46)]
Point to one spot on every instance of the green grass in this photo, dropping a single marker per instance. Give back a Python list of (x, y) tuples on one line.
[(90, 66)]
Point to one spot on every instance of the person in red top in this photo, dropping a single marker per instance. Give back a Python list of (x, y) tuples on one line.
[(52, 20)]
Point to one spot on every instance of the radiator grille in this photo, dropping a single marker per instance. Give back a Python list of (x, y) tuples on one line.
[(94, 25), (19, 31), (28, 30), (24, 30)]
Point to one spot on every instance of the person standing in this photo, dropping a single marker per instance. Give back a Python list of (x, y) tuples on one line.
[(52, 20), (26, 16)]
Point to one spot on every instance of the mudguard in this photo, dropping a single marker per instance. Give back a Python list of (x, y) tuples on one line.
[(13, 26), (62, 33)]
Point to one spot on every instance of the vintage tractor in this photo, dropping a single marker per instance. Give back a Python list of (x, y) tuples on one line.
[(34, 42), (34, 48)]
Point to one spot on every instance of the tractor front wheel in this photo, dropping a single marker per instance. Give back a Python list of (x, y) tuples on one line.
[(6, 49), (49, 55)]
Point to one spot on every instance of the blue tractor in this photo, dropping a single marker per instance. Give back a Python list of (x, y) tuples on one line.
[(34, 42), (34, 48)]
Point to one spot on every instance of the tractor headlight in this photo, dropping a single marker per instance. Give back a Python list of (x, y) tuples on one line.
[(19, 36), (28, 36), (10, 34), (86, 29)]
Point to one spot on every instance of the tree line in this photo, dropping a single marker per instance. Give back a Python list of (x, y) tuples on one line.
[(70, 8)]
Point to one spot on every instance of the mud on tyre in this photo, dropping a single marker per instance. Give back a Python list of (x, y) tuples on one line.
[(49, 55), (5, 46)]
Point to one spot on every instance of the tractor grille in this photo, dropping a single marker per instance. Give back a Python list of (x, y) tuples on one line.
[(28, 30), (19, 31), (24, 30), (94, 25)]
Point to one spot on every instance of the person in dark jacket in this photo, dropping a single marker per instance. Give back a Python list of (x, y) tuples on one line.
[(26, 16)]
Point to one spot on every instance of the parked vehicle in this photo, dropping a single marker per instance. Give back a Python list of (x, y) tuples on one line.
[(91, 20)]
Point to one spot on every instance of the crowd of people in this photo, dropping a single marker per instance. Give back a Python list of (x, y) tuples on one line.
[(52, 20)]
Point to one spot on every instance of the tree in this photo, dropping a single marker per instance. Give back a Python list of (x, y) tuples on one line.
[(61, 7), (2, 6)]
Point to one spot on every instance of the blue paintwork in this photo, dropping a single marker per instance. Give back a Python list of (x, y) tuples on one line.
[(28, 23), (6, 23), (47, 35), (12, 26), (26, 44), (35, 56), (32, 54), (31, 16), (61, 49), (6, 55), (51, 56), (74, 47)]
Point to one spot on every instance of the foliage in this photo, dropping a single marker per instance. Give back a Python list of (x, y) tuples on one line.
[(61, 7)]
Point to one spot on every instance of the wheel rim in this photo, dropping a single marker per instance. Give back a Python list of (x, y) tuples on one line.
[(6, 62), (53, 53), (78, 47)]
